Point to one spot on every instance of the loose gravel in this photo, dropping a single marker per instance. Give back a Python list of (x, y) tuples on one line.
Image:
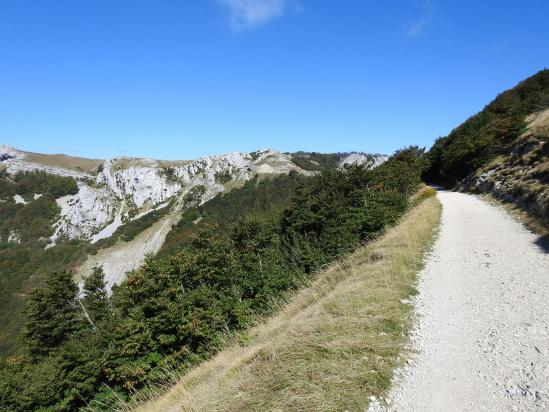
[(481, 340)]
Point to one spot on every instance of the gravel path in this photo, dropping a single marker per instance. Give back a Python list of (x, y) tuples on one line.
[(482, 337)]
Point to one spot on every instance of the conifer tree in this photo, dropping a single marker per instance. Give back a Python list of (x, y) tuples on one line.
[(95, 300), (52, 314)]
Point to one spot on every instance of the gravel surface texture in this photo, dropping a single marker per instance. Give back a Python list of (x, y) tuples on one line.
[(481, 341)]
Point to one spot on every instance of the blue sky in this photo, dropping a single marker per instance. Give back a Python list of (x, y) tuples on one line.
[(184, 78)]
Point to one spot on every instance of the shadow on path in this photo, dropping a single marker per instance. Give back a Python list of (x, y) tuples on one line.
[(542, 242)]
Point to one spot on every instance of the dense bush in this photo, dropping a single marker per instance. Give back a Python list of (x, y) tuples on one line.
[(175, 310), (488, 133), (45, 184)]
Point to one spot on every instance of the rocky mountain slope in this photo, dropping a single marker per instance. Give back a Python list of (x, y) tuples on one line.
[(122, 189), (116, 192)]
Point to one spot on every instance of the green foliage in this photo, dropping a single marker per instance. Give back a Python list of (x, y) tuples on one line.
[(25, 265), (317, 162), (51, 314), (401, 173), (176, 310), (488, 133), (341, 209), (223, 178), (33, 220), (267, 194), (95, 300), (130, 229), (44, 183), (194, 197), (65, 355), (169, 173)]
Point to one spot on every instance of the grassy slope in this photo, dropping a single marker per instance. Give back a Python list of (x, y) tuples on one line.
[(64, 161), (333, 346)]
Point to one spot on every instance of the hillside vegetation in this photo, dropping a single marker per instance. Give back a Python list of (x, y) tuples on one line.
[(25, 263), (332, 347), (262, 194), (489, 133), (503, 150), (174, 312), (23, 229)]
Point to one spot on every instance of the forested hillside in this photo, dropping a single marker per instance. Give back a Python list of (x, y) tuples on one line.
[(81, 348), (24, 227), (502, 150), (265, 194), (61, 213)]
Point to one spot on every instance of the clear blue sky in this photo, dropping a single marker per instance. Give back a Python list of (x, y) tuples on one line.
[(184, 78)]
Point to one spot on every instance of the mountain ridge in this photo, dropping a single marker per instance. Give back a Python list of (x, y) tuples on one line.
[(115, 192)]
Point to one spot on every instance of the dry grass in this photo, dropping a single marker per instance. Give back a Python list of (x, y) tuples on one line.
[(66, 162), (335, 344)]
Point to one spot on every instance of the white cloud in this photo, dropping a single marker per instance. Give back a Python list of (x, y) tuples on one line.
[(245, 14), (418, 25)]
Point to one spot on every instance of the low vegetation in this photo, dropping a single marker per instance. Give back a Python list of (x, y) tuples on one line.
[(130, 229), (333, 346), (503, 151), (317, 162), (176, 310)]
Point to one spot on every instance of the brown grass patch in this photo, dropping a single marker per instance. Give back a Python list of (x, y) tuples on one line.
[(63, 161)]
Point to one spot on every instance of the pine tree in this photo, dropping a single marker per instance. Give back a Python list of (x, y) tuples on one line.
[(95, 300), (52, 314)]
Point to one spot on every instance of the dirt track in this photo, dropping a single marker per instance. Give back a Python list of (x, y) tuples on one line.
[(482, 336)]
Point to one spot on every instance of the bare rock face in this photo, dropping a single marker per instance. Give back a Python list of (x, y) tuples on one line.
[(16, 161), (123, 189), (361, 158)]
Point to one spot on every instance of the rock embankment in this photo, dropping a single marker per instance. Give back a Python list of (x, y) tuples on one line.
[(520, 177)]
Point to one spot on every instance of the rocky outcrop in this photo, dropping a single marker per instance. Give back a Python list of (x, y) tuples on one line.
[(521, 176), (114, 192), (362, 158), (125, 188)]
